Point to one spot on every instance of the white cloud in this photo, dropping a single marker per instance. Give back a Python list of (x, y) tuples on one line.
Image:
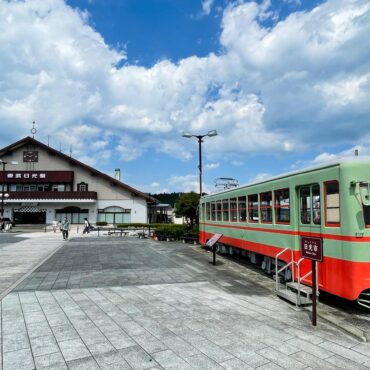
[(207, 6), (211, 166), (352, 89), (260, 177), (237, 163), (270, 90)]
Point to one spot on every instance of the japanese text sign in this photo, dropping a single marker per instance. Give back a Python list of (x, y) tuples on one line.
[(311, 248)]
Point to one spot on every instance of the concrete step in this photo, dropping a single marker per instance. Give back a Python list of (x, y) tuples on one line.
[(304, 289), (292, 297)]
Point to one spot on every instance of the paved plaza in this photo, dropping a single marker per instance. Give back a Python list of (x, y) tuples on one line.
[(112, 303)]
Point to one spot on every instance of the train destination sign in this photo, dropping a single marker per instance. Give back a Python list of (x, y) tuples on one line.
[(311, 248)]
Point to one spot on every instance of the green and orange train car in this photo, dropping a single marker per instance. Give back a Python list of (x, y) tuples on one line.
[(330, 201)]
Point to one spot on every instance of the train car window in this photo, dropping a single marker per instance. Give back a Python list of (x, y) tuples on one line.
[(332, 205), (208, 211), (242, 208), (203, 212), (266, 207), (365, 197), (305, 205), (225, 210), (310, 204), (233, 210), (213, 211), (219, 210), (253, 208), (316, 212), (282, 206)]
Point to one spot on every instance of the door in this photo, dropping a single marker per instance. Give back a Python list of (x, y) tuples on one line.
[(310, 220)]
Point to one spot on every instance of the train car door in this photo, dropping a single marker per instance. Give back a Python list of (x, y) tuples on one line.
[(310, 219)]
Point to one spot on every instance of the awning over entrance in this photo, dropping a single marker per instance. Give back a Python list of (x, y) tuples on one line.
[(29, 209)]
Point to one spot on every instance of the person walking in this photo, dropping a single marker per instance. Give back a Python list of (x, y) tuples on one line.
[(65, 227), (87, 227)]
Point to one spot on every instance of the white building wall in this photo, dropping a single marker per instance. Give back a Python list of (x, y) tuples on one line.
[(109, 194), (137, 205)]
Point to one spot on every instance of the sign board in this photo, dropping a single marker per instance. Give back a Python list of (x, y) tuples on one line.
[(35, 177), (215, 238), (311, 248)]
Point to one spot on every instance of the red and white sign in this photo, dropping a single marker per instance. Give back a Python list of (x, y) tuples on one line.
[(36, 176), (311, 248)]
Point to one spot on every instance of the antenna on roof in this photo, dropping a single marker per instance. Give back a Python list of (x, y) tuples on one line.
[(48, 140), (33, 130), (70, 151), (226, 182)]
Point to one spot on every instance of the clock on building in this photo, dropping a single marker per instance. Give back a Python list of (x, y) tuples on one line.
[(30, 156)]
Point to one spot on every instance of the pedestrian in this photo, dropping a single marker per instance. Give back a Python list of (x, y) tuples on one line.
[(55, 225), (87, 227), (2, 224), (65, 227)]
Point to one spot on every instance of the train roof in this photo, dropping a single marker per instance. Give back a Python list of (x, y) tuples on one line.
[(328, 164)]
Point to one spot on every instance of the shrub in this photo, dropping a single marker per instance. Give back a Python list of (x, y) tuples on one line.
[(176, 232), (101, 223)]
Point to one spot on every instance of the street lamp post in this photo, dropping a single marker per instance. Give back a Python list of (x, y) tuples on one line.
[(200, 141), (3, 195)]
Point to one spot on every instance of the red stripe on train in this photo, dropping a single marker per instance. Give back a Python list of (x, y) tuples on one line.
[(346, 238)]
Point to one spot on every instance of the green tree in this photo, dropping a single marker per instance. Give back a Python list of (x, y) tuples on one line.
[(187, 206)]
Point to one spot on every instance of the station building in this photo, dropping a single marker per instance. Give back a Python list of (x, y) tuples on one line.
[(47, 185)]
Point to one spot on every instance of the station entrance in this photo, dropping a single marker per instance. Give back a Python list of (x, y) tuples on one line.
[(29, 215)]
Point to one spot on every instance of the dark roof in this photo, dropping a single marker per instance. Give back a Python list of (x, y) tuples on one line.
[(29, 140)]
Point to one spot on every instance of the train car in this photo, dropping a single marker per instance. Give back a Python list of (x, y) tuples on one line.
[(330, 201)]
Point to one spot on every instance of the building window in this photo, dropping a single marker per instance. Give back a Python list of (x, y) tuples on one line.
[(75, 215), (225, 210), (282, 206), (114, 215), (233, 210), (266, 207), (253, 208), (82, 186), (332, 205), (58, 187)]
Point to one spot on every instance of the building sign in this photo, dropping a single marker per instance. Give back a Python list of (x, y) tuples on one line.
[(37, 176), (311, 248), (25, 175)]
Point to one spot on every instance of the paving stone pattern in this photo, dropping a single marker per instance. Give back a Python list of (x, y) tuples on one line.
[(18, 255), (202, 317)]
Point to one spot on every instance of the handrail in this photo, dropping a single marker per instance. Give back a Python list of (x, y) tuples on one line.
[(300, 279), (277, 272)]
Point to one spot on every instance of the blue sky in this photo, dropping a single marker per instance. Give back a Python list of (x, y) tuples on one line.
[(286, 84)]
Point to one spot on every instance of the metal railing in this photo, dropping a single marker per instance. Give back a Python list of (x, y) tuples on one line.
[(305, 276), (291, 263)]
